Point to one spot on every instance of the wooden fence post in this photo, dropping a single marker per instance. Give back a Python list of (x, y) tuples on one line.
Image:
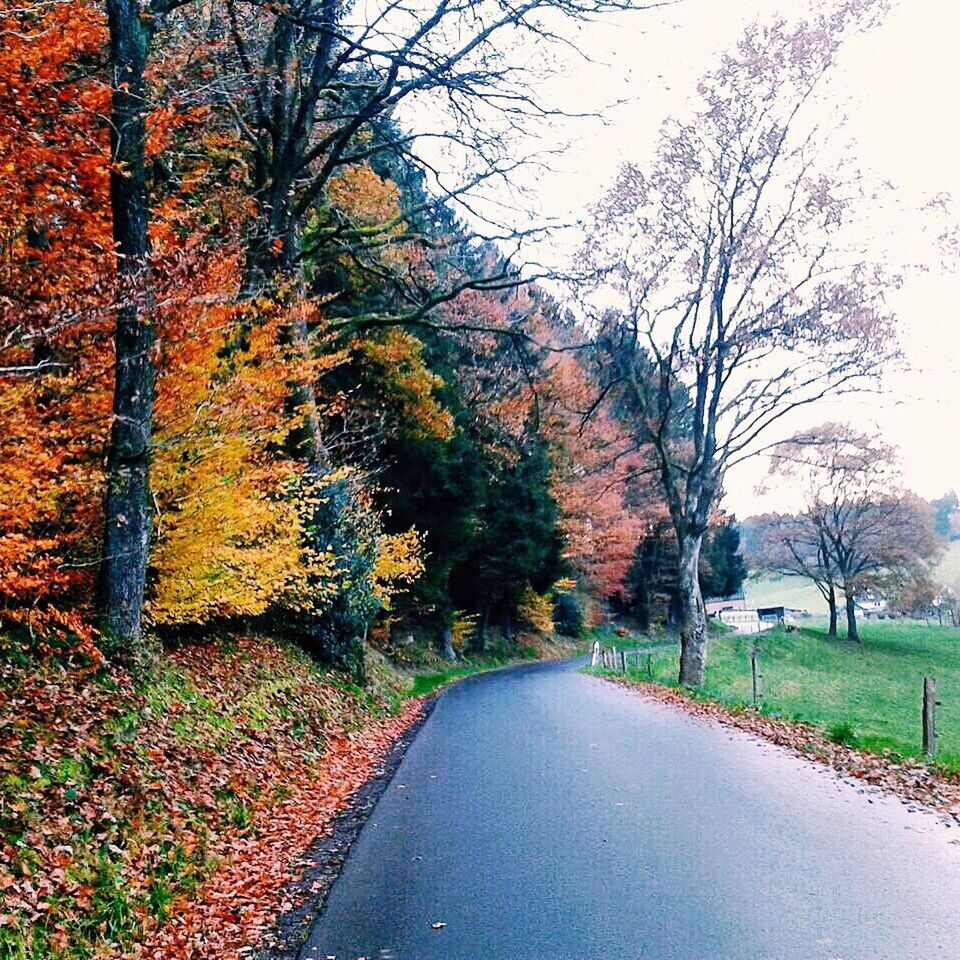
[(623, 660), (595, 659), (929, 717), (649, 666), (757, 677)]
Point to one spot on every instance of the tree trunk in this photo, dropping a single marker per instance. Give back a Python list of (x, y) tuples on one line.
[(852, 633), (832, 604), (693, 619), (507, 622), (446, 640), (483, 637), (127, 505)]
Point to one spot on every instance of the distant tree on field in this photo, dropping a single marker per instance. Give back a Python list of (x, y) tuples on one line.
[(798, 546), (722, 567), (946, 516), (873, 535)]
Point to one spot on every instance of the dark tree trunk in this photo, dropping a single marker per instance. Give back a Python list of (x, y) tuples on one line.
[(507, 622), (693, 619), (832, 604), (852, 632), (483, 636), (127, 506)]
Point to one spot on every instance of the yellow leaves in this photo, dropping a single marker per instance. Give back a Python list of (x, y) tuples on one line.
[(399, 563), (228, 532), (364, 196), (536, 610), (408, 382), (463, 629), (229, 550)]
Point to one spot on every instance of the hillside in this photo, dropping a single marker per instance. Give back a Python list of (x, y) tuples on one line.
[(768, 590)]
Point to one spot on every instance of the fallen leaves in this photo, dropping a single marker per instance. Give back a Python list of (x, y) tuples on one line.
[(167, 821), (238, 906)]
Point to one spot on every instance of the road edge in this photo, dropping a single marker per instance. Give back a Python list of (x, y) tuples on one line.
[(323, 862), (909, 781)]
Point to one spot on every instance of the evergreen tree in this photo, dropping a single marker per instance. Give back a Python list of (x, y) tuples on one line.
[(722, 568)]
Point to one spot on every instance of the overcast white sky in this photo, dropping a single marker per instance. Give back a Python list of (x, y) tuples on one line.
[(898, 86)]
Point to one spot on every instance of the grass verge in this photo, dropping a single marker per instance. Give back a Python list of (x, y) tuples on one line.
[(429, 679)]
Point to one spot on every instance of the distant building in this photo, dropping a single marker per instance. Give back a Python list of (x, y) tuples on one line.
[(716, 605), (773, 615), (744, 621)]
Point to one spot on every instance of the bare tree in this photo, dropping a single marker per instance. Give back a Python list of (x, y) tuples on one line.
[(875, 535), (797, 546), (739, 300), (317, 87)]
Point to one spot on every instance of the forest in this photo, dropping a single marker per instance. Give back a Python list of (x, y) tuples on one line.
[(304, 395)]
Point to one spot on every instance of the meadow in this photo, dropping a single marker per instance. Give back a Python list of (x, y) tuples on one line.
[(768, 590)]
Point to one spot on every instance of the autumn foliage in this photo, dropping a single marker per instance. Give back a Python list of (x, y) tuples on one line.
[(364, 427)]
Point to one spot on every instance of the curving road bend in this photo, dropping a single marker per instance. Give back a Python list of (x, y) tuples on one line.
[(543, 814)]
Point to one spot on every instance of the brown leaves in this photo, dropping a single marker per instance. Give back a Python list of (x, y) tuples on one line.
[(239, 905), (119, 802)]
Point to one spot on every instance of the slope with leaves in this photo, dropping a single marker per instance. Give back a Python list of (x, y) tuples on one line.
[(169, 815)]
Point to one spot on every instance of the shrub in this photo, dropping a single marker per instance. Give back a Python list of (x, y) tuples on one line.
[(463, 628), (536, 610)]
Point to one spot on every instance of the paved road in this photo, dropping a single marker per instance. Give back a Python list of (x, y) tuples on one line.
[(545, 814)]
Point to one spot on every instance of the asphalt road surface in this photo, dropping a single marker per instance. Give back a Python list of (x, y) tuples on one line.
[(542, 814)]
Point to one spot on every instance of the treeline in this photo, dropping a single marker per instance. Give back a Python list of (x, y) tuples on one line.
[(304, 395), (263, 359)]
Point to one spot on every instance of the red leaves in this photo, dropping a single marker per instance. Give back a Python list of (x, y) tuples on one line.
[(239, 905), (118, 802)]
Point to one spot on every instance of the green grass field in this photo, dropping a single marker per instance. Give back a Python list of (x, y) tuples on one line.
[(876, 687), (769, 590)]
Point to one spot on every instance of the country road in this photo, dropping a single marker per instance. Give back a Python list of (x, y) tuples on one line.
[(543, 814)]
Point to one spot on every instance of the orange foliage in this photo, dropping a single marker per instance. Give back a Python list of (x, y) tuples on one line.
[(595, 470), (55, 276)]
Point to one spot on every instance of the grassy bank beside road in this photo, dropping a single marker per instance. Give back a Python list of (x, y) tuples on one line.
[(867, 695)]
